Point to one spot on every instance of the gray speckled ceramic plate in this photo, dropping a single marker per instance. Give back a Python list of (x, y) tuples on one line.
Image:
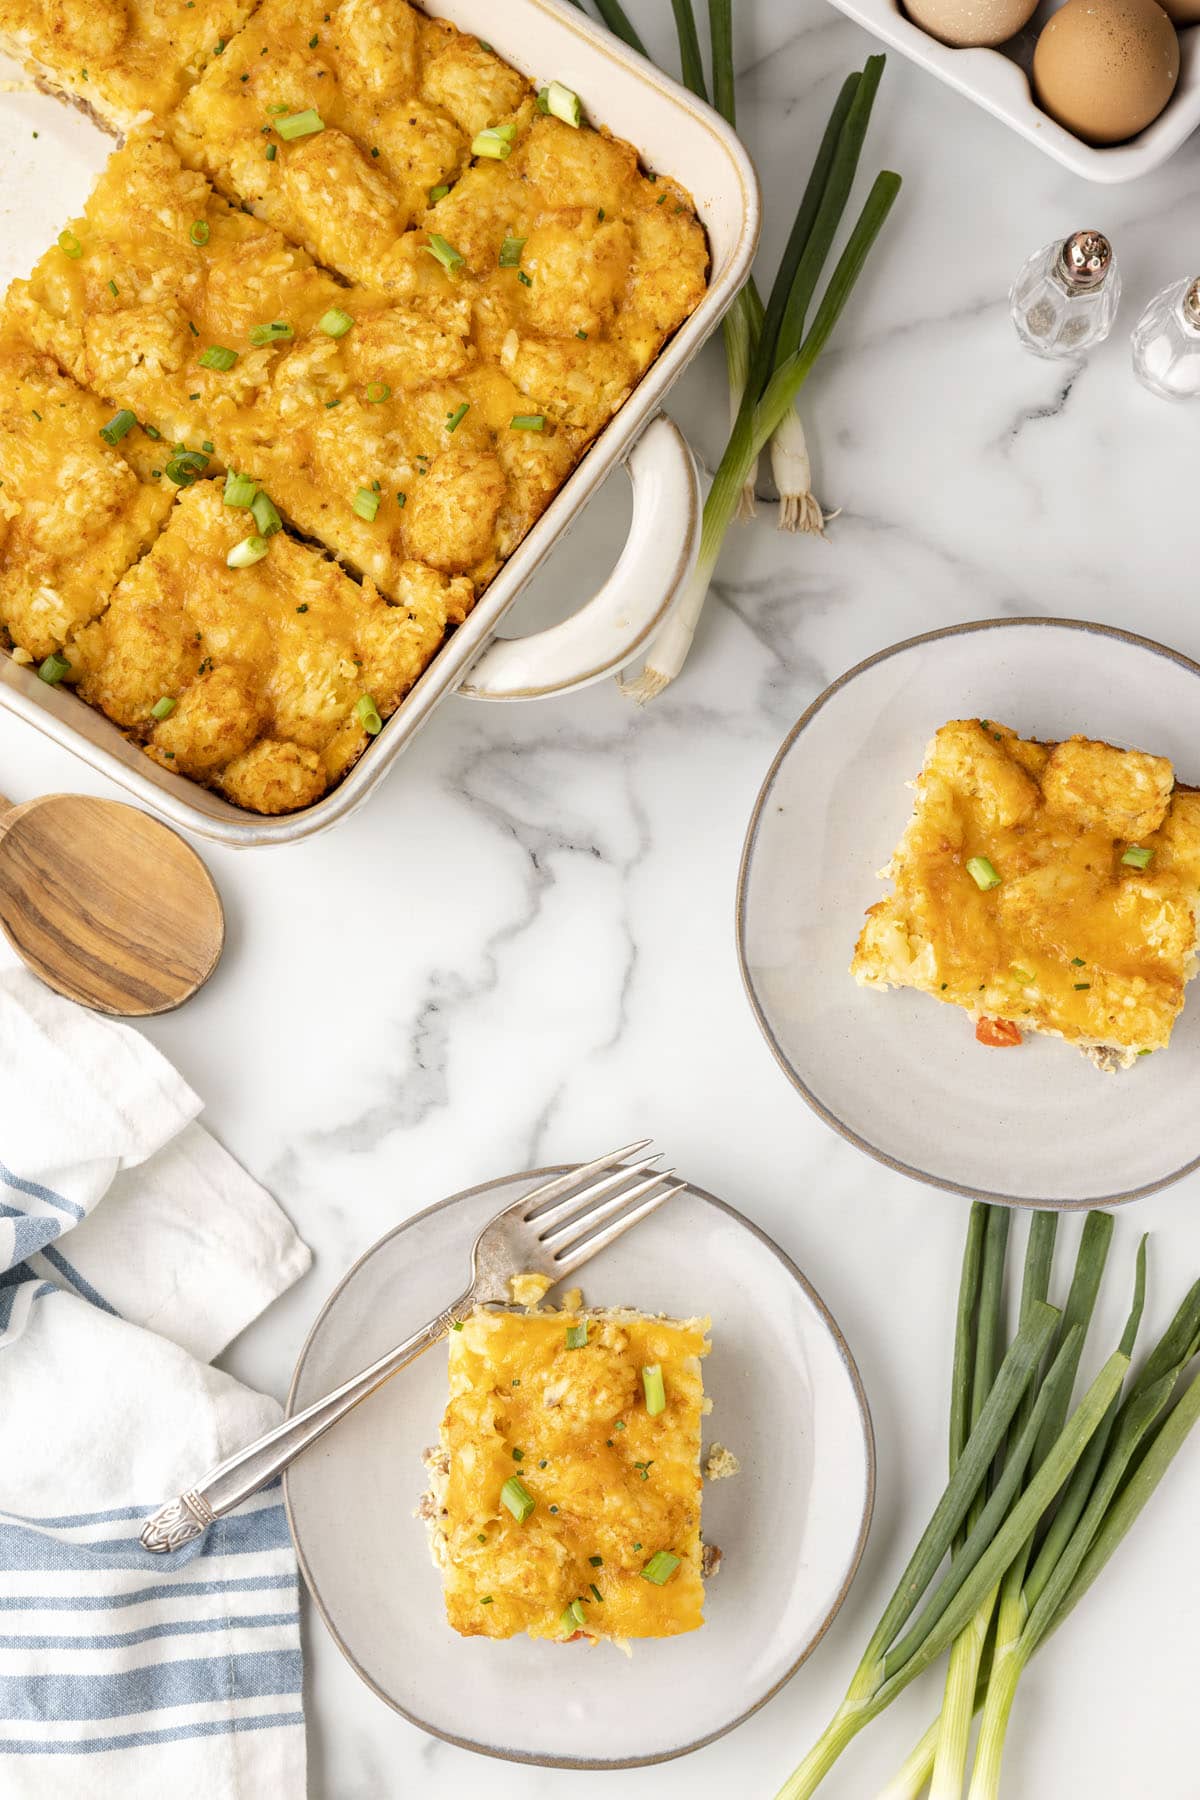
[(786, 1398), (896, 1073)]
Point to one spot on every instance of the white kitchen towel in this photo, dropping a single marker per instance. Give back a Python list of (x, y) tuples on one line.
[(132, 1249)]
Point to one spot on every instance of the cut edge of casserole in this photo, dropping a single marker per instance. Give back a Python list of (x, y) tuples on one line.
[(1043, 886), (609, 1482)]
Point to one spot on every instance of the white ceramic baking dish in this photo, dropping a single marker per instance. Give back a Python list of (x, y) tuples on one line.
[(998, 80), (675, 133)]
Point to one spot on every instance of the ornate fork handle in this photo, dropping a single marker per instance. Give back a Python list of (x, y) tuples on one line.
[(233, 1481)]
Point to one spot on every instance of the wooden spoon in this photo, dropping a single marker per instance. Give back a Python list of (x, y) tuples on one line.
[(107, 905)]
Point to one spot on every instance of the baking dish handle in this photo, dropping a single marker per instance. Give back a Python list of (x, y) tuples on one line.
[(634, 602)]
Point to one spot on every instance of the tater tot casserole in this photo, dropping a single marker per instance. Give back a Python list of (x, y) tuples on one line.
[(566, 1484), (1043, 887), (340, 316)]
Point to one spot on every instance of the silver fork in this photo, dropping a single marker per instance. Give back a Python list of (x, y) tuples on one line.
[(552, 1231)]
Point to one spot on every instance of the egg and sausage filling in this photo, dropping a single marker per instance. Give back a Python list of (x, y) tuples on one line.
[(369, 110), (78, 500), (265, 679), (566, 1486), (1043, 887), (118, 60)]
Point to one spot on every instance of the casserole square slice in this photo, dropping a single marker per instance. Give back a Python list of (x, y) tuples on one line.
[(157, 281), (118, 60), (393, 99), (1043, 887), (561, 1505), (265, 681), (75, 510), (580, 265)]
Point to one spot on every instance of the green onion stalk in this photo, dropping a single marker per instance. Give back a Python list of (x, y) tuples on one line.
[(1038, 1499), (786, 349)]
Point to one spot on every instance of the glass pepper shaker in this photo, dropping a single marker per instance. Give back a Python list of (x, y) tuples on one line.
[(1065, 298), (1166, 342)]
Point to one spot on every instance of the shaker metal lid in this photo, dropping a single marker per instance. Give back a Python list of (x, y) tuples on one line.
[(1086, 258)]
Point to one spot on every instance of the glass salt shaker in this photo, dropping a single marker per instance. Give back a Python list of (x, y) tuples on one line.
[(1166, 342), (1065, 298)]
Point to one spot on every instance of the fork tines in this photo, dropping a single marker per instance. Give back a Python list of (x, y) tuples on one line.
[(569, 1212)]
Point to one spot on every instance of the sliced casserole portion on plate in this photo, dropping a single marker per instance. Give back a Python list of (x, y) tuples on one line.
[(1044, 887), (565, 1497)]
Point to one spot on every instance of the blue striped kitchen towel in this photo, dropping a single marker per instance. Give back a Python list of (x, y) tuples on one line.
[(132, 1249)]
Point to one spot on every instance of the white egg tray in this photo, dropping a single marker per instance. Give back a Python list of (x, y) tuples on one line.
[(998, 80)]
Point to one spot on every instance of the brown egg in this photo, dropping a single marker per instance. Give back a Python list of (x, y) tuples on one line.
[(1182, 12), (972, 22), (1105, 68)]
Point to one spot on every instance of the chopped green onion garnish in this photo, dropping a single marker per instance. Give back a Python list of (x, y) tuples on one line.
[(652, 1385), (1021, 974), (186, 466), (455, 419), (218, 357), (438, 193), (276, 110), (152, 432), (250, 550), (573, 1616), (70, 245), (199, 232), (596, 1590), (495, 141), (53, 669), (486, 1601), (518, 1499), (265, 516), (510, 252), (582, 335), (982, 873), (1136, 857), (365, 504), (239, 489), (445, 253), (597, 1562), (660, 1568), (377, 391), (274, 333), (272, 152), (162, 709), (523, 278), (301, 124), (368, 715), (560, 101), (118, 425), (527, 422), (114, 290), (401, 498), (1081, 987), (577, 1335), (1077, 962), (335, 323)]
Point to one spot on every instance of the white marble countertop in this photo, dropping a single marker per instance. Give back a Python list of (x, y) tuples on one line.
[(522, 950)]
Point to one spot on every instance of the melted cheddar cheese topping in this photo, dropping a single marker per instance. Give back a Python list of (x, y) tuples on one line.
[(612, 1484), (1072, 939), (75, 512), (501, 309), (265, 667), (118, 59)]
